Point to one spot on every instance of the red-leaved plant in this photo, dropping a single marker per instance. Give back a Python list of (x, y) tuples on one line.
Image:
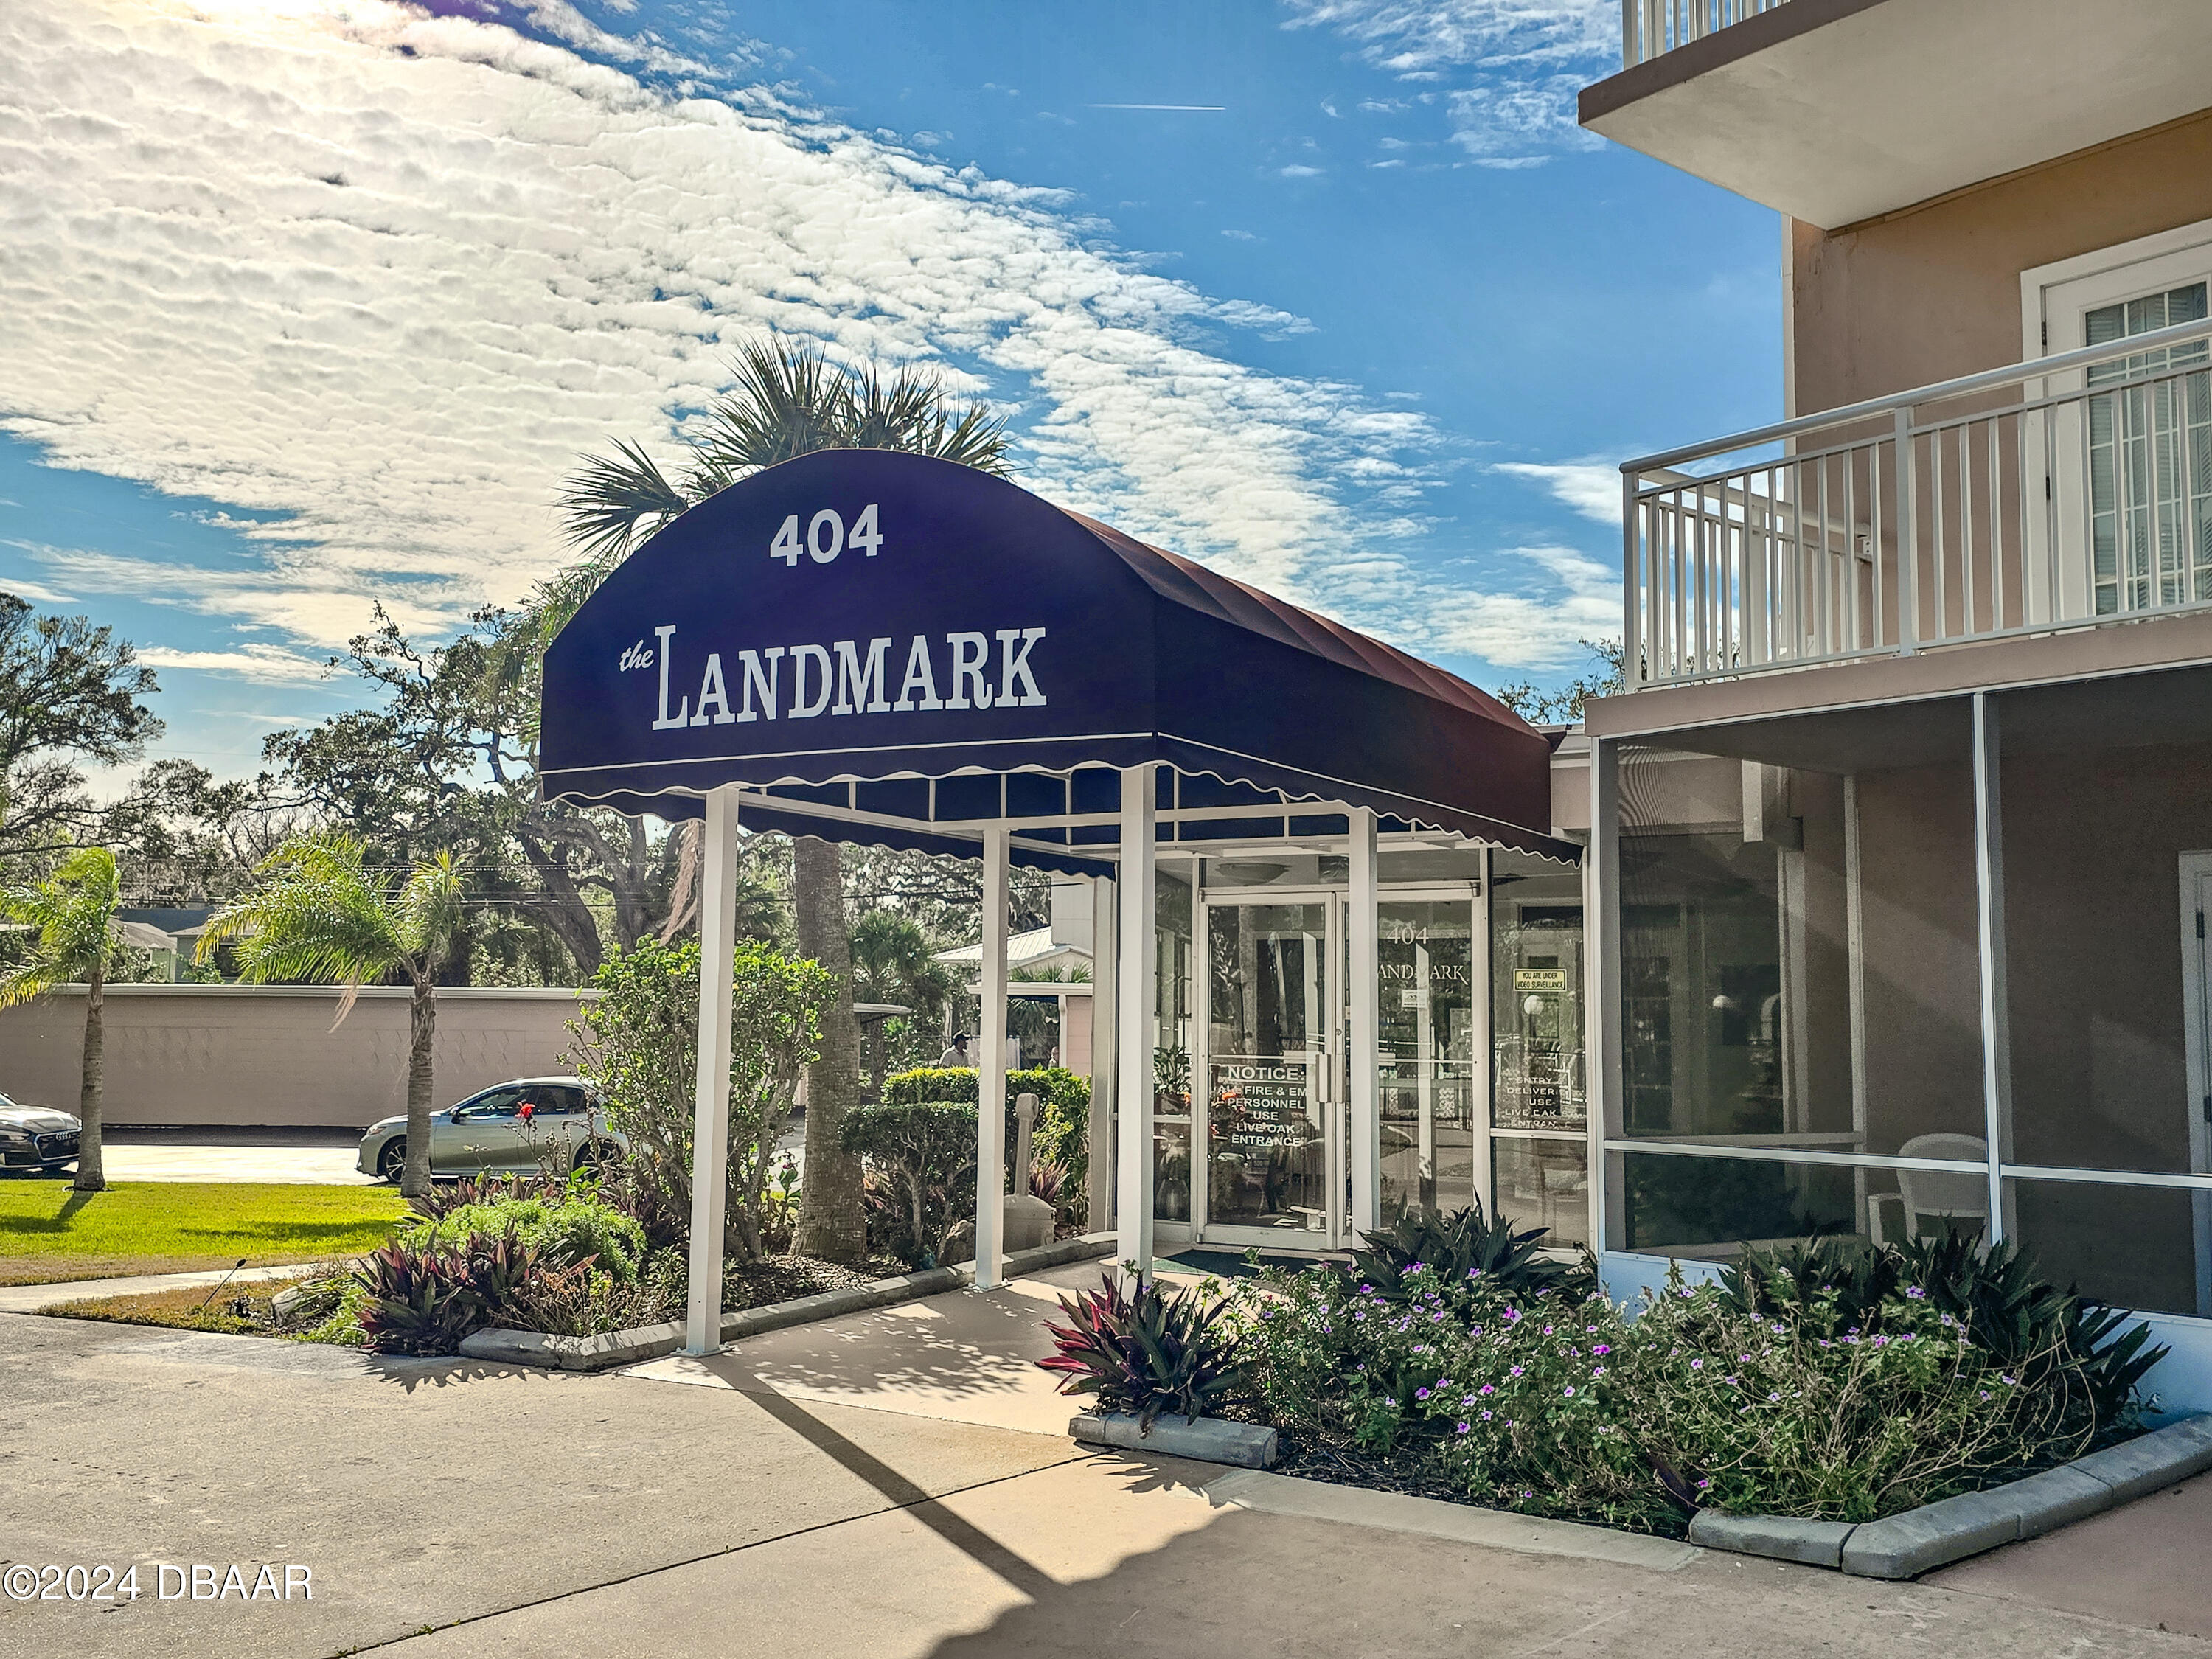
[(1145, 1353)]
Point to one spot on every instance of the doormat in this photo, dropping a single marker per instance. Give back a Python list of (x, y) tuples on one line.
[(1223, 1264)]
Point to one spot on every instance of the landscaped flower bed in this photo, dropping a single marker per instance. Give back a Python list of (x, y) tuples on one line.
[(1831, 1381)]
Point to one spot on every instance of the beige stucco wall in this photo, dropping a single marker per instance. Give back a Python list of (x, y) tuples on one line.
[(1934, 291), (191, 1054)]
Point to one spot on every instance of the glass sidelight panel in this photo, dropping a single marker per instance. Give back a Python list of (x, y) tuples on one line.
[(1266, 1058), (1538, 1155), (1536, 1021), (1425, 1080)]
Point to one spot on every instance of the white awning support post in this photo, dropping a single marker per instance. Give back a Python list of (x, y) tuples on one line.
[(1103, 983), (1133, 1004), (1989, 917), (1365, 1125), (710, 1120), (991, 1067)]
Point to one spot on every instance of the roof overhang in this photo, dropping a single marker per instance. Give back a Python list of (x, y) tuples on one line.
[(993, 659), (1837, 111)]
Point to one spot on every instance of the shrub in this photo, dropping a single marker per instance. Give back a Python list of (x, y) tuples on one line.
[(581, 1300), (1814, 1383), (924, 1155), (639, 1044), (2052, 1339), (559, 1234), (1147, 1351), (443, 1198), (1062, 1131)]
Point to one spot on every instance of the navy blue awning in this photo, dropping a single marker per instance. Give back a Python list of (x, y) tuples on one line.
[(907, 645)]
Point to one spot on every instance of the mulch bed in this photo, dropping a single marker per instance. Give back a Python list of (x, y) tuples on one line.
[(784, 1277)]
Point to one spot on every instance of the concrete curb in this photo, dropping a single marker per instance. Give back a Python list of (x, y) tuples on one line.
[(1935, 1535), (1201, 1439), (613, 1348)]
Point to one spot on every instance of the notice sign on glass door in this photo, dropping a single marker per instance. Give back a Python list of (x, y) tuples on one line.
[(1260, 1105)]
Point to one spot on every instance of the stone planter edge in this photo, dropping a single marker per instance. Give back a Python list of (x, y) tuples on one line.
[(1203, 1439), (1936, 1535), (613, 1348)]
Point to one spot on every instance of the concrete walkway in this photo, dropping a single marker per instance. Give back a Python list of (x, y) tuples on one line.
[(30, 1298), (871, 1485)]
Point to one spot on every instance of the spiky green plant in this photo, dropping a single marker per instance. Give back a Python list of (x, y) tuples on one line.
[(1144, 1350), (314, 915), (73, 911)]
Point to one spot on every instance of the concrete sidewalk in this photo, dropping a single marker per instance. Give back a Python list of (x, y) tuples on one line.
[(871, 1485)]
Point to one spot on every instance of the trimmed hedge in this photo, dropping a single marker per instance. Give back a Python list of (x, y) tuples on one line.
[(1062, 1135)]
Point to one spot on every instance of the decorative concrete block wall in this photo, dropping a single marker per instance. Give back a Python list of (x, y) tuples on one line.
[(254, 1054)]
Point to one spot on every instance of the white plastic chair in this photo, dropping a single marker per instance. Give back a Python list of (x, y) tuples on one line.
[(1948, 1195)]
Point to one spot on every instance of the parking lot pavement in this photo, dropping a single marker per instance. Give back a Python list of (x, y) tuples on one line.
[(452, 1510), (322, 1157)]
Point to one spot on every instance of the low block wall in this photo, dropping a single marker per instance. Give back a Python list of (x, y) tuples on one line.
[(255, 1054)]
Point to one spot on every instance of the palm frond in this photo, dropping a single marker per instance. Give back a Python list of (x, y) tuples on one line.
[(612, 502), (429, 909), (787, 400), (312, 914), (72, 909)]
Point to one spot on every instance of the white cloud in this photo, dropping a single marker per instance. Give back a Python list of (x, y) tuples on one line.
[(375, 278), (1591, 488), (528, 252), (36, 593), (1299, 170), (266, 664), (1567, 596), (1521, 61)]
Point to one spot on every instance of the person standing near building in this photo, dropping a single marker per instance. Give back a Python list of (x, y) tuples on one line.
[(958, 1053)]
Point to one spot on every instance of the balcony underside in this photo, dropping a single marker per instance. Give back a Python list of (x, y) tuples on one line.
[(1836, 111)]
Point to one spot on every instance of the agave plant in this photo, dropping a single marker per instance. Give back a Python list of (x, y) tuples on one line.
[(1424, 1251), (1146, 1352)]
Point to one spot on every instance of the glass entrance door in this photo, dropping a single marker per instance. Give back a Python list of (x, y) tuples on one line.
[(1273, 1035), (1540, 1115)]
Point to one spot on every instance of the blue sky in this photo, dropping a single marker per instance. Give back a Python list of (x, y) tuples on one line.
[(312, 305)]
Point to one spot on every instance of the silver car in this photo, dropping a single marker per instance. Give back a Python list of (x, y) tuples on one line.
[(36, 1137), (530, 1124)]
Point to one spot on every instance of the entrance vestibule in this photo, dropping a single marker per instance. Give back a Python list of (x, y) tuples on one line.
[(1476, 1078)]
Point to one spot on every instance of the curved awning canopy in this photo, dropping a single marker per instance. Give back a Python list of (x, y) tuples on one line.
[(892, 649)]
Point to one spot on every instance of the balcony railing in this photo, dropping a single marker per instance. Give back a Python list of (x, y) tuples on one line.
[(1649, 28), (2068, 491)]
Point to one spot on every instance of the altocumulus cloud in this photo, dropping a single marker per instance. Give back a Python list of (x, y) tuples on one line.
[(379, 276)]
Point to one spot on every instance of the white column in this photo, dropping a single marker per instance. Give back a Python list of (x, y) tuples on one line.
[(1103, 1045), (1601, 1013), (1989, 914), (1364, 1128), (710, 1119), (1132, 1023), (991, 1066)]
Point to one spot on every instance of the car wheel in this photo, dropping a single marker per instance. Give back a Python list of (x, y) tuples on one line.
[(392, 1162), (590, 1155)]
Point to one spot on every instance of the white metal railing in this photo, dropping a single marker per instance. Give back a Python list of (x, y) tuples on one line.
[(2067, 491), (1649, 28)]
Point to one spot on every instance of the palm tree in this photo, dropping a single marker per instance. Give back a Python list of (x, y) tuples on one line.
[(787, 399), (314, 913), (74, 912)]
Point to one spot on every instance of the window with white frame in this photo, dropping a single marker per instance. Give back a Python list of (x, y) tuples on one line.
[(2132, 470)]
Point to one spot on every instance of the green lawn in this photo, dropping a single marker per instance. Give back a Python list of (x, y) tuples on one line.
[(48, 1233)]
